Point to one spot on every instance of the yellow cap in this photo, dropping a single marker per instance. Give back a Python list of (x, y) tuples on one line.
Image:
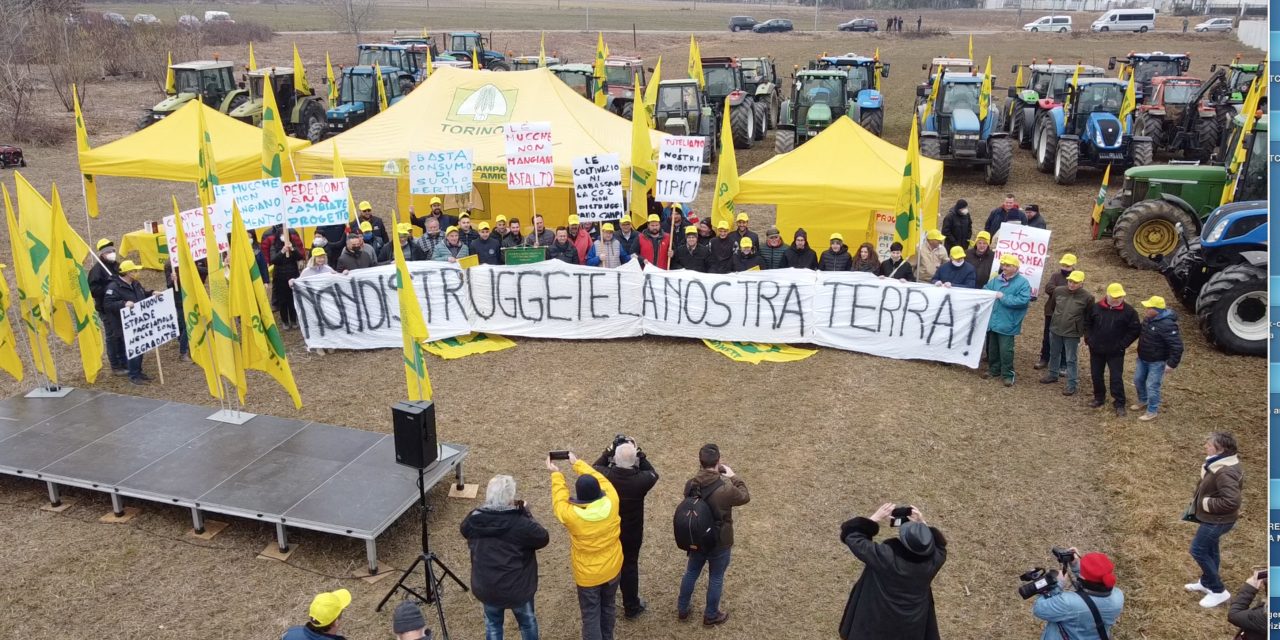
[(326, 607), (1068, 259), (129, 265), (365, 206), (104, 243), (690, 229), (1115, 290), (318, 251), (483, 226), (653, 217), (957, 253), (983, 235), (434, 200), (500, 218), (1009, 258), (745, 243), (574, 219), (366, 227), (742, 217), (723, 224), (404, 228), (934, 234), (625, 220), (608, 226), (1154, 302), (1076, 276), (678, 207), (451, 229), (837, 236)]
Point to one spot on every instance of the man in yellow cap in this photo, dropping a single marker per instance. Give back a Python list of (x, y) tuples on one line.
[(487, 248), (746, 258), (452, 249), (956, 272), (379, 227), (466, 230), (691, 254), (628, 236), (655, 243), (1159, 353), (981, 256), (1069, 302), (387, 254), (580, 238), (500, 229), (356, 255), (1013, 296), (1110, 326), (743, 222), (437, 213), (325, 618), (722, 249), (932, 255), (1059, 278), (371, 239), (607, 251), (104, 271), (122, 293)]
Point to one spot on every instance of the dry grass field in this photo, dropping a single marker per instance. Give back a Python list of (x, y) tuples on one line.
[(1005, 472)]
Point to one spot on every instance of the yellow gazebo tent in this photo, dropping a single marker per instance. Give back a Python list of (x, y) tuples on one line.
[(837, 182), (466, 109)]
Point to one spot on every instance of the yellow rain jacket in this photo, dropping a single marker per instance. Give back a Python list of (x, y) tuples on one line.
[(593, 529)]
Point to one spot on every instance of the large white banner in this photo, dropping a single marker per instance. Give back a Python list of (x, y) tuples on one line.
[(150, 323), (440, 172), (751, 306), (679, 168), (530, 164), (193, 227), (555, 299), (261, 202), (1030, 244), (597, 187)]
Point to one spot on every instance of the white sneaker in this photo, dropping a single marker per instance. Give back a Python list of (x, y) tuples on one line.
[(1214, 599), (1196, 587)]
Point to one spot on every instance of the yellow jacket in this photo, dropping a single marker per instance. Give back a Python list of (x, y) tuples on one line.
[(593, 529)]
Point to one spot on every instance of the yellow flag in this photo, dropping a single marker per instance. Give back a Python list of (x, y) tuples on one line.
[(300, 84), (1075, 87), (9, 359), (643, 168), (475, 61), (413, 328), (907, 218), (598, 71), (984, 96), (69, 284), (1128, 105), (542, 50), (933, 93), (197, 310), (1017, 80), (226, 356), (36, 227), (253, 62), (339, 172), (695, 63), (722, 208), (1252, 100), (333, 83), (1102, 196), (34, 313), (651, 90), (170, 80), (877, 70), (382, 88), (430, 66), (275, 151), (82, 145), (261, 347), (971, 47)]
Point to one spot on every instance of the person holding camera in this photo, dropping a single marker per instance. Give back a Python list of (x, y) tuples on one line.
[(1088, 612), (722, 490), (1250, 618), (893, 598), (626, 466), (594, 525), (1216, 506), (504, 538)]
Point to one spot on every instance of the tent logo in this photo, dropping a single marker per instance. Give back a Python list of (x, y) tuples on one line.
[(487, 104)]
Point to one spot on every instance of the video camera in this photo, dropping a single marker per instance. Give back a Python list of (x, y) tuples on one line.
[(1040, 581)]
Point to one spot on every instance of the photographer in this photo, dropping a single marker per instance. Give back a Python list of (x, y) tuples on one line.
[(1088, 612), (626, 466), (1247, 616), (503, 537), (893, 598)]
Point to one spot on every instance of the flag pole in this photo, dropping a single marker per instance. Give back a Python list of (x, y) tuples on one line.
[(159, 367), (533, 200)]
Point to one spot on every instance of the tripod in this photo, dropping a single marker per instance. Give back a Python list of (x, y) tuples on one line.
[(430, 562)]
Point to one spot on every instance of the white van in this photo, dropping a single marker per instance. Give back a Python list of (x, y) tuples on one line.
[(218, 16), (1054, 24), (1140, 20)]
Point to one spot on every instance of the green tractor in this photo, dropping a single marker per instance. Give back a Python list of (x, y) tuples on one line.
[(212, 81), (760, 80), (866, 104), (1158, 204), (1228, 99), (682, 110), (303, 115), (1046, 88), (817, 99)]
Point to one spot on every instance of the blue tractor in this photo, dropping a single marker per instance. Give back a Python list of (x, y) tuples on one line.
[(866, 104), (358, 95), (461, 44), (953, 132), (1086, 131), (1222, 276)]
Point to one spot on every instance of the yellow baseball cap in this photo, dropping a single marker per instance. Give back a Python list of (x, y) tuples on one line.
[(103, 243), (1068, 259), (500, 218), (129, 266), (366, 227), (1115, 290), (451, 229), (608, 226), (837, 236), (690, 229), (434, 200), (326, 607), (1154, 302), (678, 207), (404, 228), (365, 206), (653, 217), (957, 253), (745, 243), (483, 225), (934, 234), (574, 219), (723, 224), (1076, 276), (1009, 258), (983, 235), (317, 252), (742, 217), (625, 220)]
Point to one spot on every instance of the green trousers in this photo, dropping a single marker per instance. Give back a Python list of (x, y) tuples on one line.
[(1000, 355)]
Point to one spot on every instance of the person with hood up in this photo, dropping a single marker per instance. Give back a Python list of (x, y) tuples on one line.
[(631, 473), (655, 243), (956, 272), (893, 598), (1065, 266), (957, 226), (981, 255), (773, 253), (896, 266), (799, 255), (691, 255), (837, 257), (866, 259), (746, 258), (931, 256), (594, 525), (504, 537), (1069, 302), (452, 249), (722, 248), (1013, 296), (1159, 353)]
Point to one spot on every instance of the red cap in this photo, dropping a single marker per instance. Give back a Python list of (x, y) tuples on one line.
[(1097, 567)]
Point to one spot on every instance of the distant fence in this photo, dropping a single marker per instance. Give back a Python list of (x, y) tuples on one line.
[(1254, 33)]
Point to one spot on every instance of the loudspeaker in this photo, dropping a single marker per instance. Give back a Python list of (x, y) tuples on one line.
[(415, 433)]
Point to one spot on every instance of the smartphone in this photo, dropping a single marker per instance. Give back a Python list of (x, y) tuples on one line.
[(1262, 575), (559, 455), (899, 516)]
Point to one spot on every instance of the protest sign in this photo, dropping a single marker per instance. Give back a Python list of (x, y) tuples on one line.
[(884, 233), (679, 168), (316, 203), (597, 187), (1030, 244), (530, 164), (150, 323), (261, 202), (193, 226), (440, 172)]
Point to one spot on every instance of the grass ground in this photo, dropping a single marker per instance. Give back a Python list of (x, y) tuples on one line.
[(1005, 472)]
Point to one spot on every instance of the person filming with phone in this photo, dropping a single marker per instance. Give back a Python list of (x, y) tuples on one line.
[(1080, 602), (591, 518), (893, 598), (629, 470)]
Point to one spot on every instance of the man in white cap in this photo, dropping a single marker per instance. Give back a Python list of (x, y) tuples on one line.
[(325, 617)]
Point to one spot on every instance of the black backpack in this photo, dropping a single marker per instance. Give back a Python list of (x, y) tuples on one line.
[(697, 522)]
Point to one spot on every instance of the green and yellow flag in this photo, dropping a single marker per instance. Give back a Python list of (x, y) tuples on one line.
[(340, 172), (69, 283), (253, 62), (600, 97), (542, 50), (382, 87), (9, 360), (413, 328), (643, 168), (430, 66), (1102, 196), (933, 93), (333, 83), (34, 311), (275, 150), (651, 91), (82, 145), (226, 352), (907, 218), (261, 347), (1017, 80), (170, 80), (877, 70), (468, 345), (1128, 105), (36, 226), (300, 84), (1252, 99), (722, 208), (984, 96), (1075, 88), (695, 63), (757, 352), (197, 309)]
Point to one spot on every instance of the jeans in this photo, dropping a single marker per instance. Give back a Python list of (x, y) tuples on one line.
[(1098, 364), (135, 368), (1148, 378), (1204, 549), (1063, 354), (114, 336), (599, 611), (718, 562), (1045, 345), (630, 583), (525, 619), (1000, 355)]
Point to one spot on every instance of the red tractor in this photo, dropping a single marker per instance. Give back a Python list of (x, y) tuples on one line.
[(620, 74), (11, 156), (1179, 117)]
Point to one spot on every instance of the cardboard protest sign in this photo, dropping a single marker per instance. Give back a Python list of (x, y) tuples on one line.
[(440, 172), (1030, 244), (316, 203), (193, 226), (530, 164), (149, 324), (261, 202), (679, 168), (597, 187), (885, 221)]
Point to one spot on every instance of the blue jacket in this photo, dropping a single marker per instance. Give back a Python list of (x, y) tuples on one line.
[(1006, 317), (1065, 611), (964, 276), (999, 216), (303, 632), (593, 260), (1159, 340)]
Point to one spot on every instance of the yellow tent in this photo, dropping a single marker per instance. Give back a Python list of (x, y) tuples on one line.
[(836, 182), (466, 109), (166, 150)]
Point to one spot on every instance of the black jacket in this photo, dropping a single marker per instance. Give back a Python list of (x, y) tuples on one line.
[(1037, 222), (632, 244), (1160, 340), (737, 237), (800, 258), (116, 295), (488, 251), (836, 260), (722, 250), (99, 278), (698, 259), (773, 257), (999, 216), (379, 228), (981, 264), (893, 598), (566, 252), (901, 269), (1249, 618), (387, 254), (632, 486), (1108, 330), (504, 567), (957, 229), (286, 266), (744, 262), (467, 237)]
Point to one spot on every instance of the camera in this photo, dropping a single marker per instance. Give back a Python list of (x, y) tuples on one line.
[(1037, 581), (1064, 556), (899, 515), (621, 439)]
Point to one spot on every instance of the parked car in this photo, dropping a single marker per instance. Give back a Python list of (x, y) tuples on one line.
[(742, 23), (218, 16), (1053, 24), (1140, 20), (859, 24), (11, 156), (1214, 24), (776, 25), (189, 21), (146, 18), (115, 18)]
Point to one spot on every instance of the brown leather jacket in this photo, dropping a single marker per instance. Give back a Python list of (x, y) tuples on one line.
[(732, 494), (1218, 494)]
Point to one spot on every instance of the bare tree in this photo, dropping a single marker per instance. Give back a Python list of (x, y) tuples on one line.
[(66, 65), (353, 16), (16, 82)]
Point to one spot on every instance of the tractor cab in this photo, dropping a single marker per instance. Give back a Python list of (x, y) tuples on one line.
[(620, 73), (391, 56), (463, 44), (424, 42), (580, 77), (682, 110), (211, 81), (817, 99), (358, 95), (1049, 81), (1252, 184), (1145, 67), (303, 116), (1240, 79), (757, 72), (525, 63), (724, 80), (861, 70), (1094, 111), (945, 66), (954, 115)]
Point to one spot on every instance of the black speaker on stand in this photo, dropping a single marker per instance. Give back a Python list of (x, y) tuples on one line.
[(414, 424)]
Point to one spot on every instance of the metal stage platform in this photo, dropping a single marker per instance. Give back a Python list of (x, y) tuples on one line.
[(290, 473)]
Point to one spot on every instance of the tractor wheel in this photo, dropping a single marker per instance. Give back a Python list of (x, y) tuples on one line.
[(784, 140), (1233, 310), (872, 120), (1066, 162), (1016, 131), (237, 101), (1206, 139), (931, 147), (1001, 161), (312, 124), (761, 112), (1143, 153), (628, 109), (1145, 125), (1147, 229), (145, 121), (742, 123), (498, 65), (1046, 145), (1184, 264)]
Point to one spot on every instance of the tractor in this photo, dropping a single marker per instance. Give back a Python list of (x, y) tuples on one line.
[(212, 81), (760, 81), (1087, 131), (817, 99), (525, 63), (1228, 99), (954, 133), (393, 56), (1178, 117), (1221, 276), (463, 43), (1159, 204), (303, 116), (866, 104), (726, 86), (358, 95), (581, 78), (682, 110), (1045, 89), (936, 66), (620, 82), (1147, 66)]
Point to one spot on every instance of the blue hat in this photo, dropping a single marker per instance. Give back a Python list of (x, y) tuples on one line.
[(587, 490)]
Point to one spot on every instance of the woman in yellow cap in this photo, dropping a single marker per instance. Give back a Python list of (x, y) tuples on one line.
[(1013, 296)]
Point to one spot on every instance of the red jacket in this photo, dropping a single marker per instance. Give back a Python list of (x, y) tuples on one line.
[(583, 244), (654, 250)]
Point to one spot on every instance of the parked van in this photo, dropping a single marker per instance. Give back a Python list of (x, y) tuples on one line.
[(1054, 24), (218, 16), (1140, 20)]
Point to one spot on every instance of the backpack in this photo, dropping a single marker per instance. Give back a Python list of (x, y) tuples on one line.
[(697, 522)]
